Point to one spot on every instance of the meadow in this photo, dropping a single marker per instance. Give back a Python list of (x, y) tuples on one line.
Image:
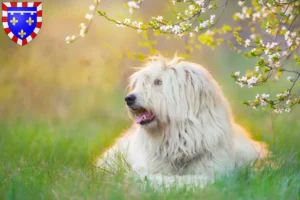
[(53, 160), (62, 105)]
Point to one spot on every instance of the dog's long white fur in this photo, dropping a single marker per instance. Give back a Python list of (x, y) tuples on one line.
[(193, 137)]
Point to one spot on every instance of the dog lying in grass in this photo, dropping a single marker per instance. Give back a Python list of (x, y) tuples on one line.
[(184, 132)]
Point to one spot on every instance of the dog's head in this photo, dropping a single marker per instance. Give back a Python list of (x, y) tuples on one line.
[(174, 91)]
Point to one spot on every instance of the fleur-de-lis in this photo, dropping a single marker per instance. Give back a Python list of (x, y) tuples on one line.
[(14, 21), (29, 21), (22, 33)]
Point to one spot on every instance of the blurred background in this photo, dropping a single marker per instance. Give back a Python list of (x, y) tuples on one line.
[(68, 98), (84, 82)]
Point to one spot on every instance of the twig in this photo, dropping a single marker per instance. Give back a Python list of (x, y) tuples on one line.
[(280, 22), (196, 16), (290, 90)]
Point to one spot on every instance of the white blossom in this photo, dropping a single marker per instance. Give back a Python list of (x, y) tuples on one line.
[(265, 96), (244, 78), (286, 35), (289, 41), (240, 3), (127, 21), (92, 7), (159, 18), (82, 32), (277, 64), (89, 16), (133, 4), (290, 78), (137, 24), (247, 43), (200, 3), (83, 29), (285, 94), (191, 7), (176, 29), (204, 24), (266, 51), (119, 24), (253, 80), (240, 15), (82, 26), (70, 39), (278, 110), (212, 19), (256, 16), (237, 73), (253, 36), (263, 103), (244, 11), (165, 28), (240, 84)]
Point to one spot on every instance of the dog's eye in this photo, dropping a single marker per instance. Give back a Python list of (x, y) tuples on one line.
[(157, 82)]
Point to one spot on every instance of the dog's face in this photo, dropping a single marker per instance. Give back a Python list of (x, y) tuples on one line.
[(169, 92)]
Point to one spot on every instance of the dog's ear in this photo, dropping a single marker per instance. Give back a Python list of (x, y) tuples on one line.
[(201, 90), (187, 75)]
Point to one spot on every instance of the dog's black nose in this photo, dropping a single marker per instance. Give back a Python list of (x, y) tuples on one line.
[(130, 99)]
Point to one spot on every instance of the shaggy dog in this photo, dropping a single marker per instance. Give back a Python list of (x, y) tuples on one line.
[(184, 132)]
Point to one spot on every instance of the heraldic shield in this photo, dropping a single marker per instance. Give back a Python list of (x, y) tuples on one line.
[(22, 21)]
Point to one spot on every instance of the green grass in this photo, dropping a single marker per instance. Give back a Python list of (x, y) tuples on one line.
[(43, 160)]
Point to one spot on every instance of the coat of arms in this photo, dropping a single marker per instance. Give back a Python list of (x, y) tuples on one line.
[(22, 21)]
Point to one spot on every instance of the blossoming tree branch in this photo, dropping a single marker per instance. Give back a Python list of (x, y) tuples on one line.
[(265, 30)]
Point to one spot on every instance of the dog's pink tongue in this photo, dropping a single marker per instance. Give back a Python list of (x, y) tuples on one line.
[(143, 117)]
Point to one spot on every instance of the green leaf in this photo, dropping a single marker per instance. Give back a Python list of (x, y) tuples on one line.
[(101, 13)]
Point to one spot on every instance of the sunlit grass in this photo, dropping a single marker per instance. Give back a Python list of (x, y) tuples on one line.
[(55, 160)]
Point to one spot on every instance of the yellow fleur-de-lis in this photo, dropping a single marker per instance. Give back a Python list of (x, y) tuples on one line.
[(22, 33), (14, 21), (29, 21)]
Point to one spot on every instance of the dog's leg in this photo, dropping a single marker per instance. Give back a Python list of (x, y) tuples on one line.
[(114, 159), (159, 181)]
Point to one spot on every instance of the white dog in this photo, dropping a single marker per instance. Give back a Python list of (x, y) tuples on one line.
[(184, 132)]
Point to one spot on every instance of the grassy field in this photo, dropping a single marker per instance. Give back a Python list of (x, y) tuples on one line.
[(54, 160)]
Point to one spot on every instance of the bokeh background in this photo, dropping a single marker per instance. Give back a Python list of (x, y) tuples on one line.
[(62, 104)]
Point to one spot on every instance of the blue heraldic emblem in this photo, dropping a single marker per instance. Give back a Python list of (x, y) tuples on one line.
[(22, 21)]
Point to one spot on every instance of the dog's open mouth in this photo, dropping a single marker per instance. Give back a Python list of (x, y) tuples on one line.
[(144, 117)]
